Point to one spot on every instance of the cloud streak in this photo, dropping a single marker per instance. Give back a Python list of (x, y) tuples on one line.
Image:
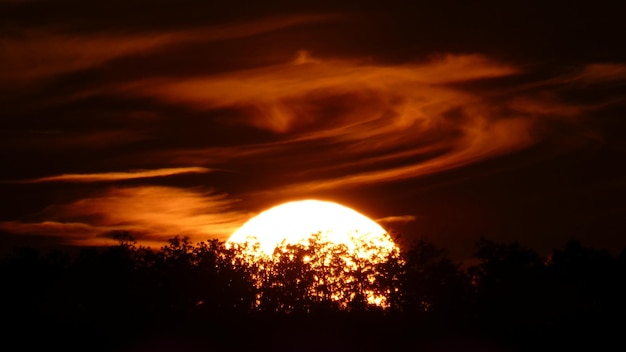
[(36, 53), (279, 98), (385, 122), (396, 219), (150, 213), (117, 176)]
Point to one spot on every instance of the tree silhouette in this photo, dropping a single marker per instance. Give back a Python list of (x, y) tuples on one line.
[(510, 288), (431, 283), (125, 293), (587, 285)]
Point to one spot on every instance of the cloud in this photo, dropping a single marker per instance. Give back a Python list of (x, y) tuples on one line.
[(396, 219), (590, 75), (345, 123), (116, 176), (279, 98), (495, 139), (371, 107), (73, 233), (70, 140), (37, 53), (601, 73), (152, 214), (29, 54)]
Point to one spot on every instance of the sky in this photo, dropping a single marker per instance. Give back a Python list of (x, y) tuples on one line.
[(442, 121)]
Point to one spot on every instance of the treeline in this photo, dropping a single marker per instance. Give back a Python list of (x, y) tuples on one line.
[(207, 294)]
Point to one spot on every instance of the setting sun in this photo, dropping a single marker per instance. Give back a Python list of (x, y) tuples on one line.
[(340, 245), (295, 222)]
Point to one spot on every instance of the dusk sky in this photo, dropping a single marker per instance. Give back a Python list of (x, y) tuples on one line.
[(441, 121)]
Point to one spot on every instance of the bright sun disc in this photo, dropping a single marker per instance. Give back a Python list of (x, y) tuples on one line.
[(295, 222), (337, 234)]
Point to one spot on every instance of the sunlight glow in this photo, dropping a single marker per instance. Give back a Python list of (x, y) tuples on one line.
[(330, 234), (295, 222)]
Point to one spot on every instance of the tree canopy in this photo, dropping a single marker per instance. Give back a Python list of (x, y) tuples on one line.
[(123, 292)]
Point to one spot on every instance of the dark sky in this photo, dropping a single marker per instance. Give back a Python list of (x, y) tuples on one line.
[(442, 121)]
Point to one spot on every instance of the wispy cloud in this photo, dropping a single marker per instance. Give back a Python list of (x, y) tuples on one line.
[(116, 176), (30, 54), (150, 213), (591, 74), (599, 73), (281, 98), (396, 219), (353, 123), (66, 232)]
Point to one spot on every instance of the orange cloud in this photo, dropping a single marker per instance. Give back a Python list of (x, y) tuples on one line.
[(369, 123), (601, 73), (374, 109), (396, 219), (279, 98), (151, 213), (117, 176), (492, 140), (68, 232), (63, 139), (587, 75), (38, 53)]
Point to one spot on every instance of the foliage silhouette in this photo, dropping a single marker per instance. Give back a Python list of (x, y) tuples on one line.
[(122, 294)]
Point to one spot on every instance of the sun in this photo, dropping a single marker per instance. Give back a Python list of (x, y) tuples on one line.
[(342, 247), (296, 222)]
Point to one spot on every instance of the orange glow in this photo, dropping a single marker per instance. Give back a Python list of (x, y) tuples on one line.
[(155, 213)]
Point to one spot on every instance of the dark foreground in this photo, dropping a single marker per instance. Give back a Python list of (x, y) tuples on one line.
[(197, 298), (349, 332)]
